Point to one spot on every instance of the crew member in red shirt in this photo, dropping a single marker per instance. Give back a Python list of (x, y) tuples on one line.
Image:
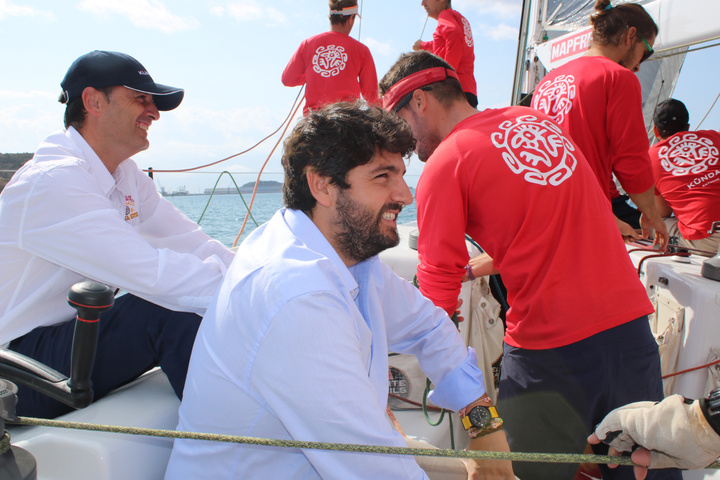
[(597, 100), (687, 178), (453, 42), (333, 65), (578, 342)]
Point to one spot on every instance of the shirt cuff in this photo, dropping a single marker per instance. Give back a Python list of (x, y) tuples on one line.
[(460, 387)]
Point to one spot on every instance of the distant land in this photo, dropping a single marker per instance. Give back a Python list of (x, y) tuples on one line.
[(9, 163), (264, 186)]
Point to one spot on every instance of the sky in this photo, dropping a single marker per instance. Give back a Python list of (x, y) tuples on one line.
[(228, 55)]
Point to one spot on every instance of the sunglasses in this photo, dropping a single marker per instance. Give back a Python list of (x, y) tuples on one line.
[(649, 51), (406, 99)]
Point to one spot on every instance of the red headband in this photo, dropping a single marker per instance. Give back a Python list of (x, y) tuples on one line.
[(413, 82)]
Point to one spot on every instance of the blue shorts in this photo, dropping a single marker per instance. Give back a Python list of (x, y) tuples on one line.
[(552, 399), (134, 336)]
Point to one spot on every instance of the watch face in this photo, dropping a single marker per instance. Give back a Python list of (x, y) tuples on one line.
[(480, 417)]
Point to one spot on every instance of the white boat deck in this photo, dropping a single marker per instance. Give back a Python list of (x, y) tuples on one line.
[(150, 402)]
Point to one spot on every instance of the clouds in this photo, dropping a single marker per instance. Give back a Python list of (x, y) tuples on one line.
[(148, 14), (380, 48), (505, 9), (10, 10), (251, 11), (13, 95), (499, 32), (25, 125)]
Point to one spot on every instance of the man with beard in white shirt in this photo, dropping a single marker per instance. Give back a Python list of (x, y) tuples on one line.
[(295, 344)]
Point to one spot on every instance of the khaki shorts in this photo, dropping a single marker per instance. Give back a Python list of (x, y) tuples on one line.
[(707, 244)]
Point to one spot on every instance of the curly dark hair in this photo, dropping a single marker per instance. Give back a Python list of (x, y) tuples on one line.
[(333, 141), (610, 22), (445, 91)]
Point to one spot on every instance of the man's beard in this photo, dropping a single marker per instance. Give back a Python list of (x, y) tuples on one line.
[(359, 235), (427, 141)]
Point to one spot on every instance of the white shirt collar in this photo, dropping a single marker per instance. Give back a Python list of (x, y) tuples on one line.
[(105, 180), (303, 227)]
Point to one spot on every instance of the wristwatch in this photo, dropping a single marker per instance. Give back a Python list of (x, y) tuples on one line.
[(482, 420), (710, 407)]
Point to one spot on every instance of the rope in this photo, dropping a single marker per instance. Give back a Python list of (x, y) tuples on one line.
[(425, 25), (342, 447), (649, 248), (699, 367), (213, 193), (394, 421), (689, 50), (257, 182), (429, 408), (708, 112), (667, 254), (425, 406), (5, 444), (237, 154)]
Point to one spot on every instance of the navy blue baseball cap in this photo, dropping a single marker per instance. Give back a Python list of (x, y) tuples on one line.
[(100, 69)]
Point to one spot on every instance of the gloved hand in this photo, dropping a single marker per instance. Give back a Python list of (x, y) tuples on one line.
[(677, 434)]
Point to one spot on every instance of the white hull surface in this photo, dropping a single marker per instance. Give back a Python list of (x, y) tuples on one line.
[(63, 454), (689, 306), (687, 328)]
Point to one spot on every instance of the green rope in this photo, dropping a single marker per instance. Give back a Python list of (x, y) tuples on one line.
[(423, 452), (239, 192), (4, 443), (424, 407)]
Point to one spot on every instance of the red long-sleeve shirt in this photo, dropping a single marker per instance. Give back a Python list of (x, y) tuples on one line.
[(335, 67), (687, 175), (453, 42), (520, 187), (599, 104)]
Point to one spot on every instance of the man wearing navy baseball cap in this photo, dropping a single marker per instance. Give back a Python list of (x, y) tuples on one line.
[(82, 209), (100, 69)]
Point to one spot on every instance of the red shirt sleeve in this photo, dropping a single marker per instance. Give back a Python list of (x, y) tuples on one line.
[(368, 80), (626, 131), (442, 218), (294, 73)]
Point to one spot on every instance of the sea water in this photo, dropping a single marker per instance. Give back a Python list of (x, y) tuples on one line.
[(224, 214)]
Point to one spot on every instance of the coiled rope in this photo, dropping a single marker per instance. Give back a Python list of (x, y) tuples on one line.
[(342, 447)]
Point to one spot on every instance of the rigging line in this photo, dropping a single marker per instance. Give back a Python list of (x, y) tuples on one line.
[(343, 447), (657, 100), (699, 367), (213, 193), (662, 55), (257, 182), (244, 151), (708, 112)]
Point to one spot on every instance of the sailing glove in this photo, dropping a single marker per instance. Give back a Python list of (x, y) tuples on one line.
[(676, 432)]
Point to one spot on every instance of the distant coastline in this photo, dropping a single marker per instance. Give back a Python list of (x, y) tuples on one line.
[(9, 163), (264, 186)]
